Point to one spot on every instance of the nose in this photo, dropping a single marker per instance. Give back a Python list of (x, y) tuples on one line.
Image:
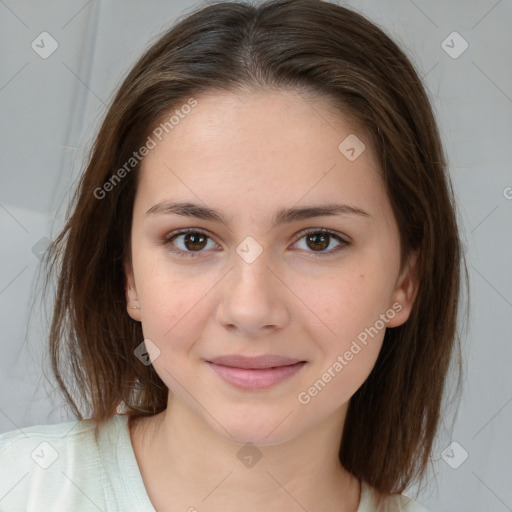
[(253, 297)]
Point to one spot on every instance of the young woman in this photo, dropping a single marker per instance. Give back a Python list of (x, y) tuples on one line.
[(258, 281)]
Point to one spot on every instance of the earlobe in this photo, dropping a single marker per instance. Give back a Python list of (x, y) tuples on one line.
[(405, 292), (132, 301)]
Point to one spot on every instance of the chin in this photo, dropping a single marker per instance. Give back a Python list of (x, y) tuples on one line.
[(259, 429), (250, 435)]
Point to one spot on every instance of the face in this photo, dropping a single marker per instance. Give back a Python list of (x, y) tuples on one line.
[(248, 280)]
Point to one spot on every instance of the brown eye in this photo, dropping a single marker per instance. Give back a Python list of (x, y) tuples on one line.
[(194, 241), (318, 240), (187, 242)]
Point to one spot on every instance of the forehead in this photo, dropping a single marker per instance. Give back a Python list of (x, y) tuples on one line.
[(264, 120), (256, 149)]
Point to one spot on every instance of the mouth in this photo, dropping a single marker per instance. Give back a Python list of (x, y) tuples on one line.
[(254, 373)]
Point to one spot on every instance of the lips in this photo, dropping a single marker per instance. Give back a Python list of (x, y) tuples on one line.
[(255, 373), (254, 363)]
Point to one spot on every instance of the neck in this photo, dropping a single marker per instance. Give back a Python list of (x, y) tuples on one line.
[(186, 465)]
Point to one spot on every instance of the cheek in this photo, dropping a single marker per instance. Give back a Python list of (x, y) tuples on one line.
[(347, 303), (172, 318), (352, 308), (340, 377), (172, 305)]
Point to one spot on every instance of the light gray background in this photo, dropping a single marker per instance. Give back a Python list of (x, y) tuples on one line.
[(50, 110)]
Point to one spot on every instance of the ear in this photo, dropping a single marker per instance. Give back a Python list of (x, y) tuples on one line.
[(132, 300), (405, 291)]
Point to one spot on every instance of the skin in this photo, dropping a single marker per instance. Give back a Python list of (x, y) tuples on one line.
[(249, 155)]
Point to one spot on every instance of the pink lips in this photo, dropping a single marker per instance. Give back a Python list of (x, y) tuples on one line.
[(260, 372)]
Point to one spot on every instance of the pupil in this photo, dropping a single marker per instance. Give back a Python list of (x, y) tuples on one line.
[(317, 240), (323, 244), (192, 236)]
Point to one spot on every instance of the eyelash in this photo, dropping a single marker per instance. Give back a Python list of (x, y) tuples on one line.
[(193, 254)]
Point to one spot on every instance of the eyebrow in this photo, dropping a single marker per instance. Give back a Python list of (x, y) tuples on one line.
[(282, 216)]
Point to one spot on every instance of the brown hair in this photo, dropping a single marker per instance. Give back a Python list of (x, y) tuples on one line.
[(331, 52)]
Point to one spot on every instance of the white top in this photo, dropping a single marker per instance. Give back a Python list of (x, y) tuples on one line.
[(61, 468)]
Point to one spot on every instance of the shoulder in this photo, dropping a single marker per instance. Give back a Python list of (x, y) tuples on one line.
[(406, 504), (43, 444), (52, 467), (393, 503)]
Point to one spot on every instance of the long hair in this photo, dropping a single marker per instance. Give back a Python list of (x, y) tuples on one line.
[(307, 45)]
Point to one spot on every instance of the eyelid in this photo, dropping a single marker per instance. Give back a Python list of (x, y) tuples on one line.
[(344, 238), (168, 238), (341, 237)]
